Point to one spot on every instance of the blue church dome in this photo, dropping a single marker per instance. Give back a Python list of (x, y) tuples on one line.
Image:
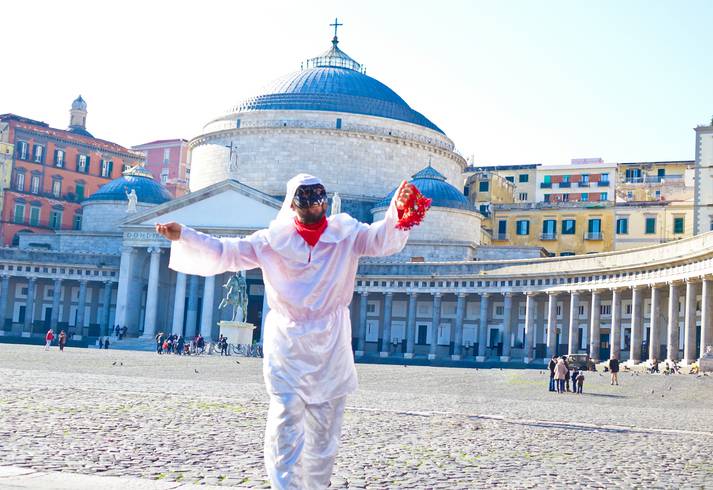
[(432, 184), (334, 82), (148, 191)]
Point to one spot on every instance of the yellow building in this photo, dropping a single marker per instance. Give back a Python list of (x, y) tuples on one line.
[(654, 203), (559, 228)]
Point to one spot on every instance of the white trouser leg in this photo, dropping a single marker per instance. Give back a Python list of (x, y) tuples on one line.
[(323, 425), (284, 441)]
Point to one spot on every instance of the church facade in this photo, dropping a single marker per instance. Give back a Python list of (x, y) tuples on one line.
[(448, 297)]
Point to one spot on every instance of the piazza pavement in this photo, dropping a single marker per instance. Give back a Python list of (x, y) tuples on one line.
[(149, 421)]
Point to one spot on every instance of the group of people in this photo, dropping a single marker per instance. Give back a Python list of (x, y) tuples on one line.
[(561, 375), (61, 339), (120, 332), (176, 344)]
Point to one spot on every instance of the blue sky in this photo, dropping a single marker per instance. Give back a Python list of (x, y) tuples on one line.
[(509, 81)]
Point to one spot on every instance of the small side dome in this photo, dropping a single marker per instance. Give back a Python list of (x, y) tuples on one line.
[(432, 184), (139, 179)]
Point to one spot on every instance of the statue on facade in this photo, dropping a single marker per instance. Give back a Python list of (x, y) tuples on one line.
[(133, 198), (336, 204), (233, 159), (236, 294)]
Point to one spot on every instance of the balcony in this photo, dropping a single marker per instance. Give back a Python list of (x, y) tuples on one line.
[(654, 179), (582, 184), (564, 185), (594, 235), (501, 236), (548, 236), (545, 185), (603, 183)]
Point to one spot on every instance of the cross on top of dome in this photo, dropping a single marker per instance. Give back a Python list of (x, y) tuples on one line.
[(335, 57), (336, 24)]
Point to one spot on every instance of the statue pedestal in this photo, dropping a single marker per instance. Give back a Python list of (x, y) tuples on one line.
[(237, 332)]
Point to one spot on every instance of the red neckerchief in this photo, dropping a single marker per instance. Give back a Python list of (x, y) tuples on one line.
[(311, 232)]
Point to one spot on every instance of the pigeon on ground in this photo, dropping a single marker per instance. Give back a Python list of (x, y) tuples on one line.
[(121, 364), (669, 388), (237, 362), (196, 371), (652, 392), (113, 363)]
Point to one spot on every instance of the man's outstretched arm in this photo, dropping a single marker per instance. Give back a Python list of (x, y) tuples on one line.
[(383, 237), (193, 252)]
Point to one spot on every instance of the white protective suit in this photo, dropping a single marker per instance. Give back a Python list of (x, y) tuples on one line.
[(308, 366)]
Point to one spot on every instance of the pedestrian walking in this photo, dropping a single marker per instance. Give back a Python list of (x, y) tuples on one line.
[(560, 372), (614, 370), (580, 382), (49, 337), (551, 366), (62, 340)]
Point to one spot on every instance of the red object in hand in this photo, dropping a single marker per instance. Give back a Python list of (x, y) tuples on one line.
[(414, 211)]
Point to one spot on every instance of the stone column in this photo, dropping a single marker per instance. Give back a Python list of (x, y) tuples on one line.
[(673, 329), (192, 312), (435, 323), (540, 318), (363, 300), (386, 337), (411, 325), (551, 324), (81, 306), (706, 315), (4, 289), (152, 294), (689, 332), (123, 302), (106, 310), (458, 339), (637, 324), (655, 324), (483, 327), (56, 295), (530, 307), (207, 311), (179, 304), (507, 327), (615, 329), (30, 303), (573, 322), (594, 326)]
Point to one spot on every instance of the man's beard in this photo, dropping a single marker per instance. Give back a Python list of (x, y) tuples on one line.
[(309, 216)]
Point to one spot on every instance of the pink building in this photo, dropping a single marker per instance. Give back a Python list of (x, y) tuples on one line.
[(167, 160)]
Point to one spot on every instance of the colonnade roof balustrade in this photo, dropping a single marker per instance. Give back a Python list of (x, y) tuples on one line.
[(686, 258)]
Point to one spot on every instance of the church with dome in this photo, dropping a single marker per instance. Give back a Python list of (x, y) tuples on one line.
[(448, 298)]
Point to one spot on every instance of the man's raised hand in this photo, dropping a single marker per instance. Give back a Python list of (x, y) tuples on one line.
[(403, 195), (172, 230)]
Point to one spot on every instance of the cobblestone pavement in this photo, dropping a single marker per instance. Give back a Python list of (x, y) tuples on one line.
[(201, 420)]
